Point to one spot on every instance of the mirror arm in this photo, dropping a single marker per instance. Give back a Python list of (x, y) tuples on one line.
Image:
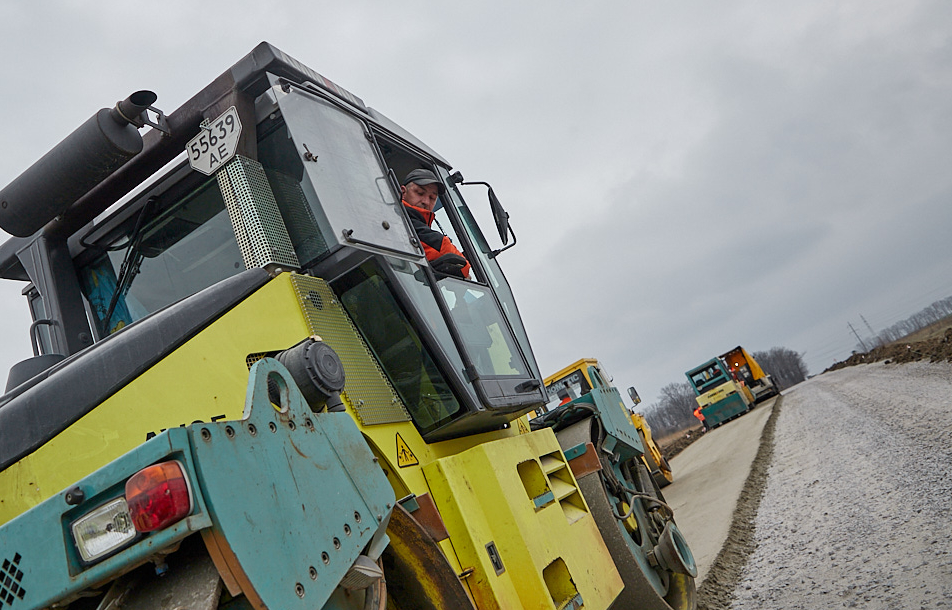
[(496, 253), (500, 216)]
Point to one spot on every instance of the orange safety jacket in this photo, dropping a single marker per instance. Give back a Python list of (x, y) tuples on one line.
[(435, 244)]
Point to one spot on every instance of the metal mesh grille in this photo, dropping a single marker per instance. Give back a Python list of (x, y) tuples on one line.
[(262, 236), (368, 390), (10, 579), (250, 359)]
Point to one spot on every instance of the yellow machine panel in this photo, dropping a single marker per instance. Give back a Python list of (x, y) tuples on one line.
[(650, 445), (515, 515), (722, 391), (269, 320), (202, 380), (510, 488)]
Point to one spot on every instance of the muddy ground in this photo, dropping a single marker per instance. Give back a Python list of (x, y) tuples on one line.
[(935, 349), (672, 447), (849, 502)]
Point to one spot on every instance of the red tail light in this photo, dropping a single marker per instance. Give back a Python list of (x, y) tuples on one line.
[(158, 496)]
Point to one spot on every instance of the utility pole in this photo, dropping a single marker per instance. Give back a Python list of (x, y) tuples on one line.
[(865, 349), (871, 332)]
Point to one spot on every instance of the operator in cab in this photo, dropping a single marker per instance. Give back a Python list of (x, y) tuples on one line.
[(419, 191)]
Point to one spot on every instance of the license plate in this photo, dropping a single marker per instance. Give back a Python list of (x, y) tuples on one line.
[(216, 144)]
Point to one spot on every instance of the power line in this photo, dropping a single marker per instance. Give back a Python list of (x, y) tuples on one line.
[(901, 309)]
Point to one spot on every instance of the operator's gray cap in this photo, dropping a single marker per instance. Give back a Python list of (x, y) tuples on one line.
[(423, 177)]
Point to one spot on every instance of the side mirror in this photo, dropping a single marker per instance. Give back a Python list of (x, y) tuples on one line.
[(501, 217), (633, 394)]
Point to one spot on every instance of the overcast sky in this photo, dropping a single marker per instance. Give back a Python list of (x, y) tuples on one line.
[(683, 177)]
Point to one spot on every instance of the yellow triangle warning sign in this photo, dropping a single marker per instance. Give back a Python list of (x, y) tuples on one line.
[(523, 428), (405, 457)]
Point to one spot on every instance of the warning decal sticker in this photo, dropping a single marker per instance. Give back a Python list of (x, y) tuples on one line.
[(405, 457)]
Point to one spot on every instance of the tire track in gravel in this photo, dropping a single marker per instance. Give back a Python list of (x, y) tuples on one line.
[(716, 592)]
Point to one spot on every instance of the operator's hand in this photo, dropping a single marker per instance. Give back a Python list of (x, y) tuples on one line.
[(449, 264)]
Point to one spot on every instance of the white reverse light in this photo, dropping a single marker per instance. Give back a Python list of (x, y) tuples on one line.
[(103, 530)]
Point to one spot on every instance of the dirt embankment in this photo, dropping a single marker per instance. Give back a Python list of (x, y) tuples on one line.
[(935, 349), (670, 447)]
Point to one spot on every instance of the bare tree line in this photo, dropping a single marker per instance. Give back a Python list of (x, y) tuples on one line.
[(785, 366), (674, 411), (917, 321)]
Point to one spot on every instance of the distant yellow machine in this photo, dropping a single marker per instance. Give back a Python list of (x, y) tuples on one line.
[(654, 458), (743, 367), (574, 381)]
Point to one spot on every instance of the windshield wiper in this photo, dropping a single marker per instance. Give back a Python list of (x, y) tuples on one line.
[(130, 264)]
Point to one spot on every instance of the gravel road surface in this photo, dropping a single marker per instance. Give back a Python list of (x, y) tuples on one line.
[(856, 511)]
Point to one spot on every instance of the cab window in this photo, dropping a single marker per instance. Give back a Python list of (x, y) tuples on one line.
[(177, 249), (368, 298), (575, 384)]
